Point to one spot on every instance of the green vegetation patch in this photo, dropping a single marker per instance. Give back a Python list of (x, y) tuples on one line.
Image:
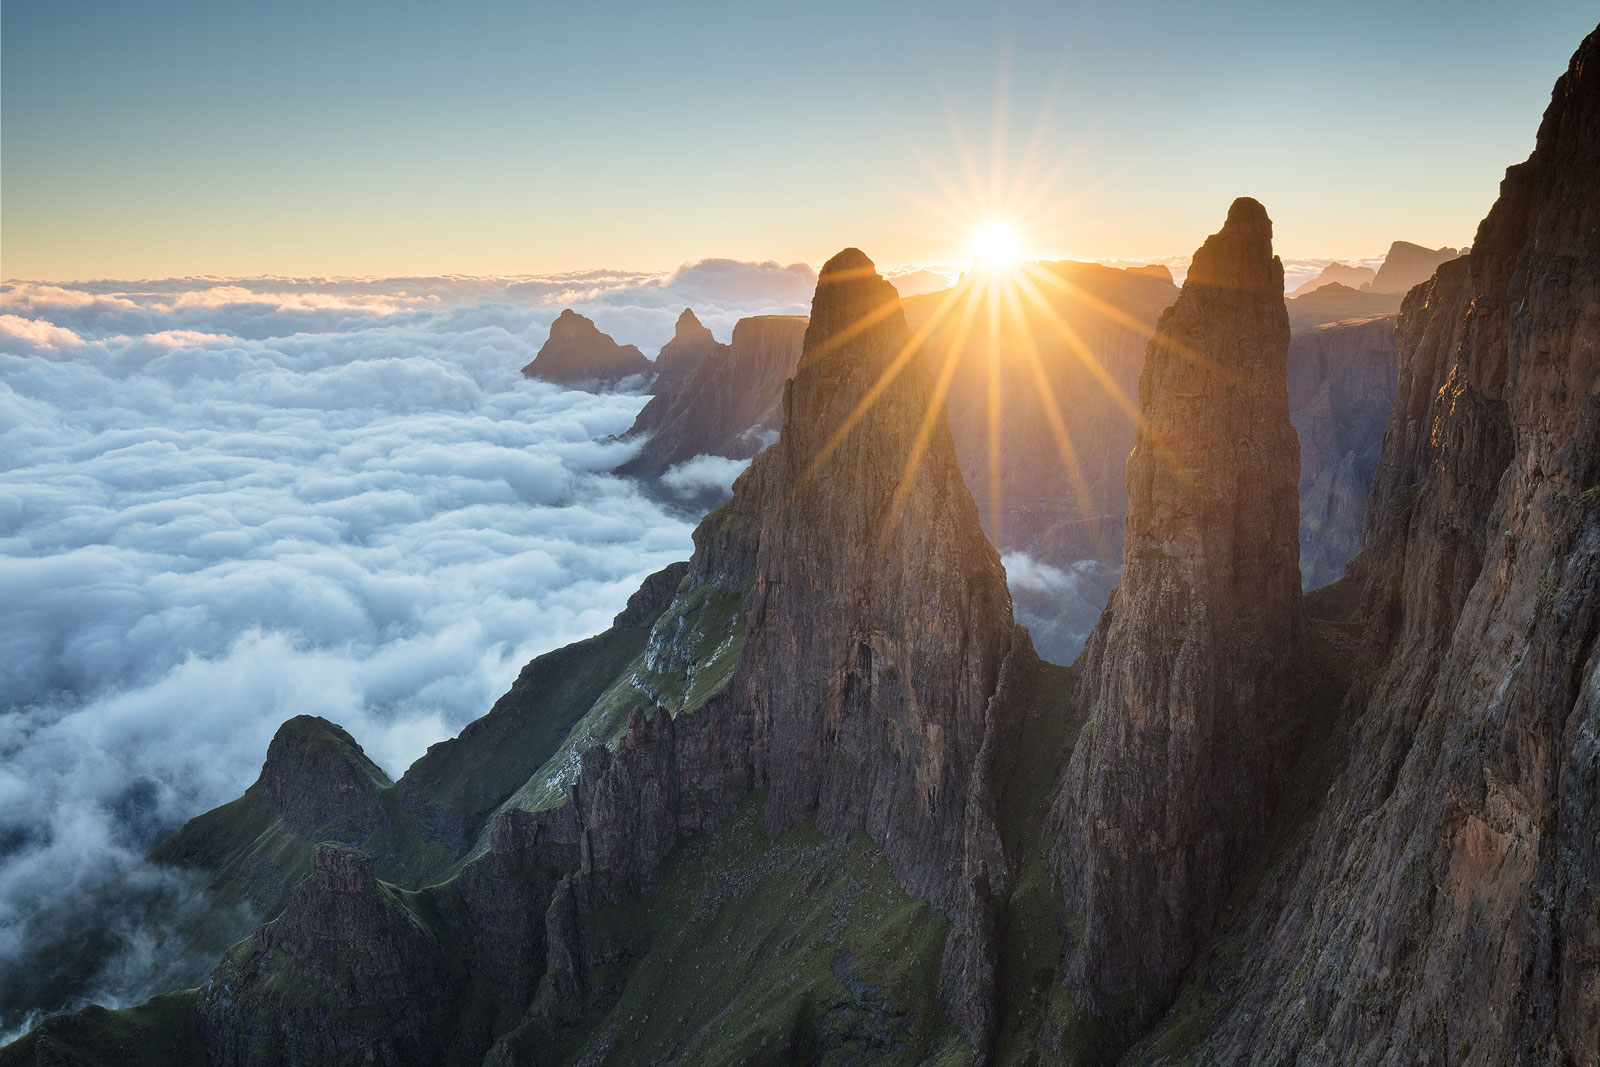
[(795, 949), (161, 1032)]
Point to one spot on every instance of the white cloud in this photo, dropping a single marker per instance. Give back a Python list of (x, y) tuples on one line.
[(702, 475), (227, 502)]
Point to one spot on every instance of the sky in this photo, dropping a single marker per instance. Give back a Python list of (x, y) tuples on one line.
[(503, 138)]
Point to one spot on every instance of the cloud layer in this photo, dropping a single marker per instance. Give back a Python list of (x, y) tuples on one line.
[(224, 503)]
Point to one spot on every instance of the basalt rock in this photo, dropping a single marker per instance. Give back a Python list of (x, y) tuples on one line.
[(1187, 678), (691, 343), (578, 354)]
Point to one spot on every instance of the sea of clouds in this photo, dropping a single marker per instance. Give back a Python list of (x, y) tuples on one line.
[(226, 502)]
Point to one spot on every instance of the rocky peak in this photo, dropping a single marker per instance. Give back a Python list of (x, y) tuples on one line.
[(321, 782), (577, 353), (691, 343), (1408, 264), (876, 598), (1185, 678)]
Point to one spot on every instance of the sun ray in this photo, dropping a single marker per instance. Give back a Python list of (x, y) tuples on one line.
[(954, 349)]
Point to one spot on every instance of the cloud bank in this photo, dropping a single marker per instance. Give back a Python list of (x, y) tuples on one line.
[(226, 502)]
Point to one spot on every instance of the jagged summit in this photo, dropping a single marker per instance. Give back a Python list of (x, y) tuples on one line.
[(577, 353), (320, 780), (691, 344)]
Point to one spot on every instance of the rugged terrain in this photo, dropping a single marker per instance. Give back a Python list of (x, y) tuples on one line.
[(813, 799)]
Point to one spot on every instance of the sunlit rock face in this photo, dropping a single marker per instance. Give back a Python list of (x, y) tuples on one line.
[(1442, 906), (877, 600), (577, 353), (1187, 677), (691, 343)]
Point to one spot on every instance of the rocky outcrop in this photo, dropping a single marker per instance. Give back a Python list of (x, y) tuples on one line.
[(346, 973), (691, 343), (1187, 680), (1338, 303), (728, 405), (322, 784), (1342, 273), (1341, 386), (1440, 906), (1408, 265), (578, 354)]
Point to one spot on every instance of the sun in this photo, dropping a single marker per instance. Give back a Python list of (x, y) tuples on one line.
[(995, 246)]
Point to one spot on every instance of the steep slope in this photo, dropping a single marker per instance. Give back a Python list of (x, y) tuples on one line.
[(691, 342), (728, 405), (1440, 906), (1188, 679), (838, 646), (577, 353), (1341, 386), (1407, 265), (1342, 273)]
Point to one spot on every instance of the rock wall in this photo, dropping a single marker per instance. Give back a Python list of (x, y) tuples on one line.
[(1188, 678)]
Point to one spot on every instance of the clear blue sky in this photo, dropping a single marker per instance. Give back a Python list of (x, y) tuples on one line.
[(489, 137)]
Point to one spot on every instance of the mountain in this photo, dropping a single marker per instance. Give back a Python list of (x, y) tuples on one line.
[(1189, 679), (1408, 265), (691, 343), (1336, 303), (728, 405), (1342, 273), (812, 798), (1440, 897), (1341, 386), (577, 353)]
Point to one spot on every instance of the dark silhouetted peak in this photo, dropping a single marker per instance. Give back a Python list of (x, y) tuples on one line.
[(321, 782), (691, 345), (1239, 256), (577, 353), (851, 300), (342, 869)]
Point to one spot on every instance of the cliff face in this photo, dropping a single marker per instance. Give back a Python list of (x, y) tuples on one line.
[(577, 353), (1341, 386), (1408, 265), (1441, 904), (1187, 680), (728, 405), (691, 342), (837, 642)]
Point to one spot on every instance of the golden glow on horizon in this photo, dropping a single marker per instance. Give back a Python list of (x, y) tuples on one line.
[(996, 246)]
